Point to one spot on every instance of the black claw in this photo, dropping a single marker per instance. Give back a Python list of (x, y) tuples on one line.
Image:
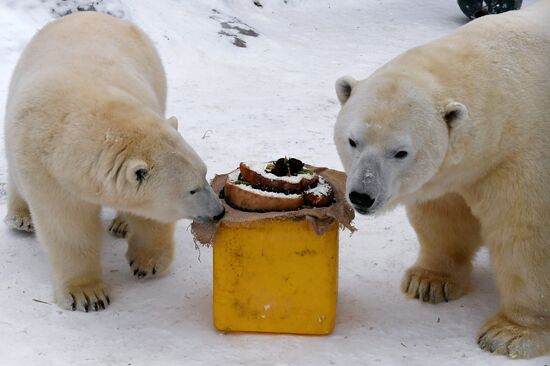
[(131, 262), (481, 337), (136, 272), (87, 304), (408, 286), (427, 293), (446, 292), (73, 305), (142, 274), (95, 306), (101, 304), (492, 344), (154, 270)]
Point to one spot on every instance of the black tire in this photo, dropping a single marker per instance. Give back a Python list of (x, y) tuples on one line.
[(471, 8), (477, 8), (501, 6)]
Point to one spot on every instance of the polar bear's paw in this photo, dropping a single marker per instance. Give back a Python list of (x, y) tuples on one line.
[(501, 336), (92, 295), (119, 227), (149, 262), (20, 221), (432, 287)]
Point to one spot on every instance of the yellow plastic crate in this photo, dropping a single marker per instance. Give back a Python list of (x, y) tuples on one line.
[(275, 276)]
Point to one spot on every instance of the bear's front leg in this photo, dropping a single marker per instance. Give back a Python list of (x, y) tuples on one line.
[(19, 215), (449, 236), (70, 231), (150, 246), (119, 226)]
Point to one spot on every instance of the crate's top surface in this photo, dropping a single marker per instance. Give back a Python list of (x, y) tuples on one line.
[(321, 218)]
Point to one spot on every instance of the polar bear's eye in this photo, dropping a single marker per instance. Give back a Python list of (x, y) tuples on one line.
[(352, 143), (401, 154), (141, 174), (193, 191)]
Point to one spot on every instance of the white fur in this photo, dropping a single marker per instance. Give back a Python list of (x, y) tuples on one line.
[(475, 106), (85, 127)]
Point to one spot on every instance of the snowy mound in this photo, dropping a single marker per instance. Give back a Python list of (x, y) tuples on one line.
[(115, 8)]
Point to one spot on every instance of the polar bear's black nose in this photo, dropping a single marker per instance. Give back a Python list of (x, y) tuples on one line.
[(219, 216), (361, 199)]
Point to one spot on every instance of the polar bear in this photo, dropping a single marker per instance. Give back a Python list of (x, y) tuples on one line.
[(85, 128), (458, 130)]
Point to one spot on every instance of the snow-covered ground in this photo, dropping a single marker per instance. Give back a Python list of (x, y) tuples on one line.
[(272, 98)]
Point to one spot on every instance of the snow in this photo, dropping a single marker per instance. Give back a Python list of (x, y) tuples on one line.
[(321, 189), (272, 98)]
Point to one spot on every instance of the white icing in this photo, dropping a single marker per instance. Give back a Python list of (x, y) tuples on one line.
[(234, 176)]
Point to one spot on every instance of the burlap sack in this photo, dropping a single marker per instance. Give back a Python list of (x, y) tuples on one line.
[(319, 218)]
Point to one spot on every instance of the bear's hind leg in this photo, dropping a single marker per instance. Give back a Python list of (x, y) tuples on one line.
[(449, 237), (522, 327), (70, 231), (19, 215), (521, 261), (515, 213), (503, 336), (150, 246)]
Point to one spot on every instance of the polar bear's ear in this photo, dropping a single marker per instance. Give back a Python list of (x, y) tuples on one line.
[(344, 86), (173, 121), (136, 171), (454, 114)]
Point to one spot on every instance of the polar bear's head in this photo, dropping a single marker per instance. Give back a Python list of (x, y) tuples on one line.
[(392, 138), (151, 171)]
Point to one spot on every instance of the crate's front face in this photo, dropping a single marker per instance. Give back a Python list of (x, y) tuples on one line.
[(275, 276)]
